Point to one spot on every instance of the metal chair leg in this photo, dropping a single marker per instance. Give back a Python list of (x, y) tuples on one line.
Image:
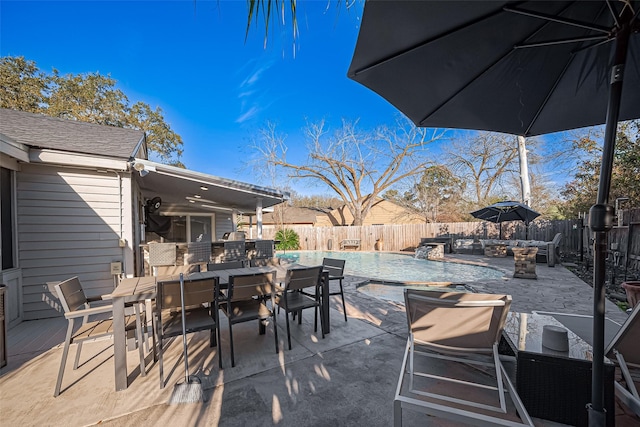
[(63, 361)]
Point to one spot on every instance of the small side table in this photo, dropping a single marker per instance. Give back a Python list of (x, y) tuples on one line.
[(554, 385), (525, 262)]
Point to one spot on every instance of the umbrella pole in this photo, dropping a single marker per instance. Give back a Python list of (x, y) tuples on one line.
[(601, 220)]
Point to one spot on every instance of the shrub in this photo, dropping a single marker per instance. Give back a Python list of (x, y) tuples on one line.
[(288, 238)]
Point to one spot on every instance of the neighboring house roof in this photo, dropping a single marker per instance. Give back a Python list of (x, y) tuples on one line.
[(181, 190), (70, 135), (295, 215), (383, 211)]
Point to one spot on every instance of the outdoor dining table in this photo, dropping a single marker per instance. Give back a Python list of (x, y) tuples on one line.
[(142, 288)]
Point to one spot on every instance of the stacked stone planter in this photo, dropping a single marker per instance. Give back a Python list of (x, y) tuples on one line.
[(497, 250), (525, 262)]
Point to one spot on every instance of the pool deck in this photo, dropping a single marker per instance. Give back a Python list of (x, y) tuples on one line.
[(348, 378)]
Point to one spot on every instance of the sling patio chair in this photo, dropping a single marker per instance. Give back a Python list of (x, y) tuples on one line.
[(234, 250), (293, 300), (459, 333), (200, 315), (78, 311), (264, 262), (335, 267), (245, 300), (625, 349), (263, 249), (224, 265)]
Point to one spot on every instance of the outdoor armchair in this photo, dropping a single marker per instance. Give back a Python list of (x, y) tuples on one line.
[(245, 300), (78, 312), (200, 315), (456, 330), (293, 300)]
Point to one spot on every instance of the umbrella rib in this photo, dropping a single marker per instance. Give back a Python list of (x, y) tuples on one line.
[(483, 71), (613, 13), (548, 95), (422, 44), (565, 21), (563, 41), (566, 66)]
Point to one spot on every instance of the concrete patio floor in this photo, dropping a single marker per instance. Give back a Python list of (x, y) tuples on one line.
[(348, 378)]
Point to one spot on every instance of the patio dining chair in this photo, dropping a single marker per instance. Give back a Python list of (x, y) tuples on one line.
[(264, 262), (456, 329), (234, 250), (224, 265), (245, 300), (264, 249), (335, 267), (293, 300), (200, 315), (79, 312)]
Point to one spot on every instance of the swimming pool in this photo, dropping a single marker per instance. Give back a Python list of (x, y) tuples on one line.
[(397, 267)]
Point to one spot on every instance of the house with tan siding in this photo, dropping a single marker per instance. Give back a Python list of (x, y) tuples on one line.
[(383, 212), (75, 202)]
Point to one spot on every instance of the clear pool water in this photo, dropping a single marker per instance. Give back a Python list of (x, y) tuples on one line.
[(397, 267)]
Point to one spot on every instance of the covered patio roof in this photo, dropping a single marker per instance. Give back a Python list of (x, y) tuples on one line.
[(183, 190)]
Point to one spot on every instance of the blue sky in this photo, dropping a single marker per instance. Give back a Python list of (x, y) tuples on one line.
[(191, 59)]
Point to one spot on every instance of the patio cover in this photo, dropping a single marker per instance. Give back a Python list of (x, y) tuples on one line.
[(178, 187)]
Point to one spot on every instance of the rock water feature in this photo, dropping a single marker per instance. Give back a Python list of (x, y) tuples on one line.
[(430, 251)]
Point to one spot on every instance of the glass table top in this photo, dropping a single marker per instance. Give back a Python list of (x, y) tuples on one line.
[(524, 330)]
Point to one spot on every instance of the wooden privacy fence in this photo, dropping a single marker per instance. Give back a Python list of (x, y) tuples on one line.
[(399, 237), (577, 237)]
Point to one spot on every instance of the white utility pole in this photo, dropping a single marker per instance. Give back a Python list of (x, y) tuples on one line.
[(524, 171)]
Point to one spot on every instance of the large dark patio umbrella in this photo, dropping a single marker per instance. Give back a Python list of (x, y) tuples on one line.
[(507, 211), (519, 67)]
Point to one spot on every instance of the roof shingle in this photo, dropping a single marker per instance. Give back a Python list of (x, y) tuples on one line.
[(40, 131)]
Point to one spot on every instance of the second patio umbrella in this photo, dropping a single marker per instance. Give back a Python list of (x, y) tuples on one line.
[(507, 211)]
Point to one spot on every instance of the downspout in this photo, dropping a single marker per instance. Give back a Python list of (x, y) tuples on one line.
[(259, 218), (121, 242)]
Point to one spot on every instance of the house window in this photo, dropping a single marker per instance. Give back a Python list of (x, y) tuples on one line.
[(187, 228), (200, 228), (6, 218)]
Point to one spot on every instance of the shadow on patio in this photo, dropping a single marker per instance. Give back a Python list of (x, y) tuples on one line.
[(349, 378)]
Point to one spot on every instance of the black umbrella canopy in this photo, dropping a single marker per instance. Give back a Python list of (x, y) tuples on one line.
[(497, 65), (506, 211), (519, 67)]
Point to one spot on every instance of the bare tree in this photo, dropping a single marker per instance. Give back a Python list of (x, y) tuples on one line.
[(434, 194), (357, 166), (485, 162)]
